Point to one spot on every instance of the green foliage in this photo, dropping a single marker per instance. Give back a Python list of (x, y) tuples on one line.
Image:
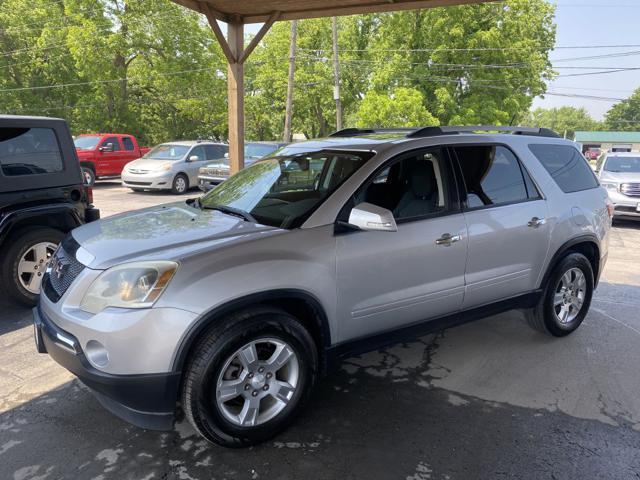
[(404, 107), (154, 69), (625, 116), (563, 120)]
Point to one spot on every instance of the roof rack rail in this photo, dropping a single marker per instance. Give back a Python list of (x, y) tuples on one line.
[(437, 131), (354, 132)]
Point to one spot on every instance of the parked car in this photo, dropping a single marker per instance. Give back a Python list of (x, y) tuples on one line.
[(592, 153), (42, 197), (620, 174), (214, 173), (172, 166), (104, 155), (233, 304)]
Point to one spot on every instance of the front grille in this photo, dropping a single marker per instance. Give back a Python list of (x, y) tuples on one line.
[(216, 172), (63, 270), (137, 172), (630, 189), (143, 184), (624, 208)]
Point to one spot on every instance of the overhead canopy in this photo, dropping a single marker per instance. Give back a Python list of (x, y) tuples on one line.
[(257, 11), (237, 13)]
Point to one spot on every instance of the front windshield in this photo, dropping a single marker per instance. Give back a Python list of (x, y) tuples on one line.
[(283, 191), (87, 142), (258, 150), (622, 164), (167, 152)]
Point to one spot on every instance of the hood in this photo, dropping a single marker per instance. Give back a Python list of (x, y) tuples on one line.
[(619, 177), (162, 232), (147, 165), (85, 153)]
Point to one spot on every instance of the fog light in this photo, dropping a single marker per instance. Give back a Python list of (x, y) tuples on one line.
[(96, 353)]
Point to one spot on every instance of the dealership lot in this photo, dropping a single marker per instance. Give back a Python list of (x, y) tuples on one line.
[(492, 399)]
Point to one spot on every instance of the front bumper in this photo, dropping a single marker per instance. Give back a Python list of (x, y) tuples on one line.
[(144, 400), (625, 206), (207, 182), (148, 181)]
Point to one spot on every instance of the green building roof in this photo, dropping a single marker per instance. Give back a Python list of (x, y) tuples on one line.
[(608, 137)]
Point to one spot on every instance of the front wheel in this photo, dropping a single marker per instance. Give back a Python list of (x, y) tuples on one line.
[(566, 298), (180, 184), (248, 377)]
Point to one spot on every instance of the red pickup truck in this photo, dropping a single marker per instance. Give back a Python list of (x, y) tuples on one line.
[(104, 155)]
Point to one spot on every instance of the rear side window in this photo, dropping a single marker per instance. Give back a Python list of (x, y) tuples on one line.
[(29, 151), (566, 166), (128, 144), (215, 152), (493, 176)]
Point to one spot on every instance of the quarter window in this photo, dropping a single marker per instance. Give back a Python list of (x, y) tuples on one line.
[(412, 187), (29, 151), (493, 176), (566, 166)]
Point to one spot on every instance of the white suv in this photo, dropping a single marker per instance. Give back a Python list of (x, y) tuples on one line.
[(231, 305)]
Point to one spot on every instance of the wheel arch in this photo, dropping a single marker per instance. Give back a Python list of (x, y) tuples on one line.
[(587, 245), (304, 306), (64, 219)]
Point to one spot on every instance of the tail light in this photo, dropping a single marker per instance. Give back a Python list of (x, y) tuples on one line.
[(610, 207), (89, 194)]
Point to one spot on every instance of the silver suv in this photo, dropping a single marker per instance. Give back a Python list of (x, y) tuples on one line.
[(232, 305), (620, 174)]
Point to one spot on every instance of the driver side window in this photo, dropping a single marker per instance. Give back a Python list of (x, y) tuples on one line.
[(412, 187)]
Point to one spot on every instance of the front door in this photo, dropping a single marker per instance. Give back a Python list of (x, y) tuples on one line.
[(110, 162), (387, 280), (508, 229)]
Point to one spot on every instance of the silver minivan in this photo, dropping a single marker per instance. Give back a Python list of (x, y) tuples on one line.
[(172, 166), (230, 306)]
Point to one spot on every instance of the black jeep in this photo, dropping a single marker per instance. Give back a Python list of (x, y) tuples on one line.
[(42, 197)]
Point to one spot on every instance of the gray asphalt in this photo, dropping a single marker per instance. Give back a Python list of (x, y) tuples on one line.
[(488, 400)]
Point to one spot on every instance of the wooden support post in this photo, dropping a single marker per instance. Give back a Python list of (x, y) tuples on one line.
[(288, 111), (235, 79)]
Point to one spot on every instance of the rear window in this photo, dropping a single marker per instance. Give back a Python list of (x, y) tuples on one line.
[(29, 151), (566, 166)]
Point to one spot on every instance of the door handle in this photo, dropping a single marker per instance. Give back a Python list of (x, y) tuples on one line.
[(447, 239), (535, 222)]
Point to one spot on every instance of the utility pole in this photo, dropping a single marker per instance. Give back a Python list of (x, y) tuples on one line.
[(336, 74), (288, 114)]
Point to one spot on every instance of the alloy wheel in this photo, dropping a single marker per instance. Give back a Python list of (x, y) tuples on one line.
[(569, 295), (257, 382), (181, 185), (33, 264)]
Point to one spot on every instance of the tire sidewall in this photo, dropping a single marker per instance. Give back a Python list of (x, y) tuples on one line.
[(175, 181), (275, 326), (19, 244), (574, 260)]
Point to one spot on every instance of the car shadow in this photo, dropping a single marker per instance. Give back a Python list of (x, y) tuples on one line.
[(12, 316)]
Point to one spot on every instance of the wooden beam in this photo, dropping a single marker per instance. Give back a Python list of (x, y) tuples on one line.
[(261, 33), (366, 7), (213, 23), (235, 86)]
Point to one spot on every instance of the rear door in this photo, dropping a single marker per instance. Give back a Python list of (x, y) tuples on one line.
[(387, 280), (506, 218), (130, 151)]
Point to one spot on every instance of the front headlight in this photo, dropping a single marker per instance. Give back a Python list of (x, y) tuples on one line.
[(130, 285), (166, 166), (614, 187)]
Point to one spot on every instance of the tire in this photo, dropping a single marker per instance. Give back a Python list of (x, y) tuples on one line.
[(89, 176), (180, 184), (27, 245), (210, 362), (547, 315)]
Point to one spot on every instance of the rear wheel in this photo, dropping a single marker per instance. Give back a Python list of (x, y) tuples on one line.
[(180, 184), (89, 176), (248, 377), (566, 298), (28, 254)]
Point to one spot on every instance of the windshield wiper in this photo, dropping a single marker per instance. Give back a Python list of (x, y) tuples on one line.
[(232, 211)]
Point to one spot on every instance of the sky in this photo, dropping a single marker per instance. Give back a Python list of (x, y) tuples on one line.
[(590, 23), (584, 24)]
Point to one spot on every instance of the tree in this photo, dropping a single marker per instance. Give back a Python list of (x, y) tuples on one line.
[(564, 120), (625, 116), (404, 108)]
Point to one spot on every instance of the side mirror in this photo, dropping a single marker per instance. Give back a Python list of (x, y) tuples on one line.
[(194, 158), (369, 217), (107, 147)]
